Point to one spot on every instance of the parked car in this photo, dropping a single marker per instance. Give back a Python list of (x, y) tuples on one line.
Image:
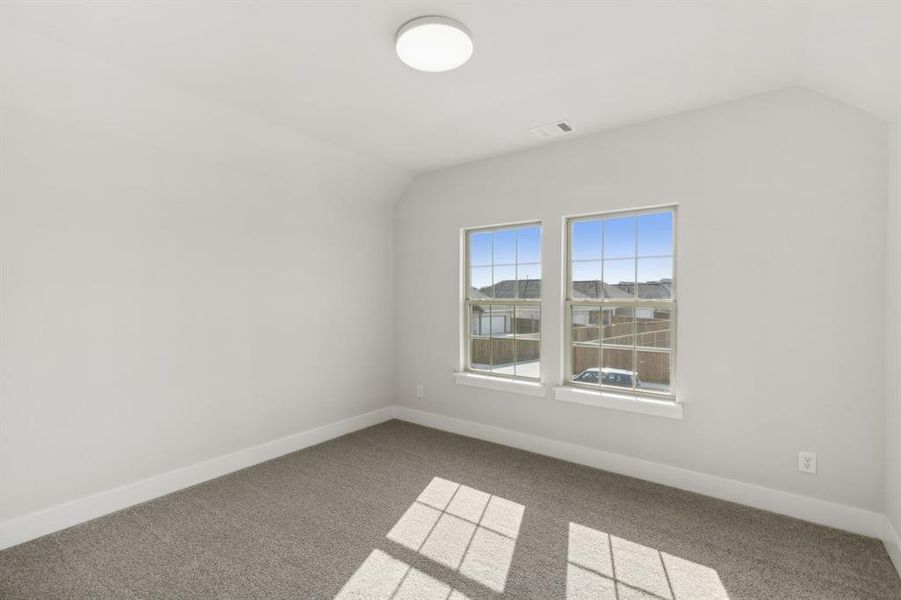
[(617, 377)]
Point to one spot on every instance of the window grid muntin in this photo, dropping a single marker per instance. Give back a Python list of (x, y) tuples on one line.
[(635, 302)]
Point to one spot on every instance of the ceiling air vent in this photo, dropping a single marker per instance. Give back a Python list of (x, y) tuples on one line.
[(552, 130)]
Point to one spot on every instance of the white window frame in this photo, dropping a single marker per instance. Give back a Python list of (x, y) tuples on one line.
[(514, 302), (601, 303)]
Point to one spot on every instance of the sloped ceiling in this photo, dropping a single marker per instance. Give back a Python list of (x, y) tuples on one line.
[(328, 69)]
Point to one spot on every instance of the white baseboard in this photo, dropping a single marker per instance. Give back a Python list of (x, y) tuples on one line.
[(840, 516), (21, 529), (27, 527), (892, 542)]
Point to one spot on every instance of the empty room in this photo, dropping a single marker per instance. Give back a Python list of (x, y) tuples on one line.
[(450, 300)]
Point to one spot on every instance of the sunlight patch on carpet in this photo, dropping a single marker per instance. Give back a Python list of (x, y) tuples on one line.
[(601, 566)]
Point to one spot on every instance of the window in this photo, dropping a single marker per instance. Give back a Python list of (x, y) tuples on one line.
[(503, 301), (620, 307)]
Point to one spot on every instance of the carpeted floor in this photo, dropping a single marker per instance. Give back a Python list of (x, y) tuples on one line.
[(401, 511)]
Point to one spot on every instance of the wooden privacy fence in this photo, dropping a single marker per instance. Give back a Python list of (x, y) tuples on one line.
[(624, 332), (651, 332), (501, 350), (653, 367)]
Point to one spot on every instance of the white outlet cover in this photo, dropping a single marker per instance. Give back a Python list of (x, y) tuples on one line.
[(807, 462)]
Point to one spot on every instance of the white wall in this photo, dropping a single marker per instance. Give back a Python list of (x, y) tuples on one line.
[(176, 274), (180, 280), (893, 340), (781, 294)]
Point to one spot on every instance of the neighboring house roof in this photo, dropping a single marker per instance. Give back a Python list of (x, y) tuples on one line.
[(509, 288), (581, 289)]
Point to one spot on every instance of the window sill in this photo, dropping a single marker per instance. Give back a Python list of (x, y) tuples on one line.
[(502, 384), (637, 404)]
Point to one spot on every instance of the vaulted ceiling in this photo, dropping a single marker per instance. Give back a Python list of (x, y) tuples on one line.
[(328, 69)]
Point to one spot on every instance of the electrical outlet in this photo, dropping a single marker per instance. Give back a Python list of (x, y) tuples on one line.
[(807, 462), (419, 390)]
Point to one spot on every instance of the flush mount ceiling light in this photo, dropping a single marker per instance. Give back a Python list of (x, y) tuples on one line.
[(433, 44)]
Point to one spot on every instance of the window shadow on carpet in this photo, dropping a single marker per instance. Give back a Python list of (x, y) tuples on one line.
[(466, 530), (601, 566), (473, 533)]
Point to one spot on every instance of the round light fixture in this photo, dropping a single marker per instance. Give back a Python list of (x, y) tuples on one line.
[(433, 44)]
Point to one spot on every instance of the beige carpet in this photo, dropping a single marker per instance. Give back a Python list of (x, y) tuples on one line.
[(400, 511)]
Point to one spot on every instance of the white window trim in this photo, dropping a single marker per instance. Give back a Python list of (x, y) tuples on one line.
[(501, 384), (605, 396), (627, 402), (479, 377)]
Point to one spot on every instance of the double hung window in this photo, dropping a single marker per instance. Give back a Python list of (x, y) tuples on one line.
[(620, 301), (503, 301)]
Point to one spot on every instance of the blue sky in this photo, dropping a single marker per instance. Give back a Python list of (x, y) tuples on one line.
[(610, 244), (601, 243), (509, 250), (615, 237), (510, 246)]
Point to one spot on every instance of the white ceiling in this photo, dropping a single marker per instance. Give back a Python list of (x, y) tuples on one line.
[(328, 69)]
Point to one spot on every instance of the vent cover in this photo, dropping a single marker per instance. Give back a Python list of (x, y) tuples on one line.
[(553, 129)]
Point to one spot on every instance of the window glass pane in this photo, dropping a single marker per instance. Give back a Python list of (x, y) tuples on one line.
[(480, 330), (619, 237), (586, 322), (528, 245), (504, 281), (529, 278), (616, 367), (585, 243), (480, 248), (586, 279), (653, 327), (618, 338), (480, 282), (527, 324), (502, 357), (654, 371), (527, 329), (586, 338), (655, 234), (619, 278), (618, 326), (655, 278), (654, 330), (504, 247)]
